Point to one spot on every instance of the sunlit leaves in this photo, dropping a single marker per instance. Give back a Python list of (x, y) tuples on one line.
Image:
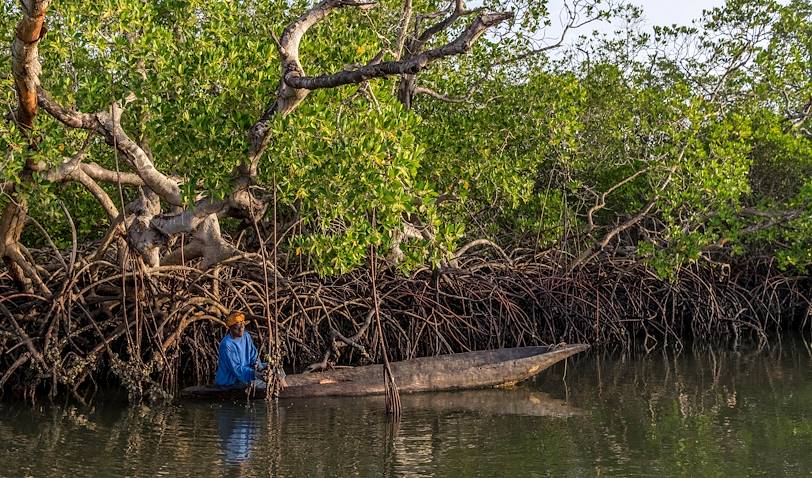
[(710, 120)]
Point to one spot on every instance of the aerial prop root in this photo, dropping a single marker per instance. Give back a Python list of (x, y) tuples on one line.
[(155, 330)]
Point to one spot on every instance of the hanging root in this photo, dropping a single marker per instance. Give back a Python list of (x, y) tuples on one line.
[(392, 399), (115, 323)]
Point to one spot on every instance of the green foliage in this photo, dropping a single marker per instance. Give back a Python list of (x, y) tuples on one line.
[(717, 140), (336, 167)]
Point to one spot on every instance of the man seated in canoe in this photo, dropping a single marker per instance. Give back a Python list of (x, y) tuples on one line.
[(238, 363)]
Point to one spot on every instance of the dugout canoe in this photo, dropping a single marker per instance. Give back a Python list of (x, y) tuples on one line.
[(467, 370)]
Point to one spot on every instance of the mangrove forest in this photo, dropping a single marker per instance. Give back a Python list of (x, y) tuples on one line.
[(375, 180)]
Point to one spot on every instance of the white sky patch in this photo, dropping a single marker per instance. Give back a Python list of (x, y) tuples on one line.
[(664, 12), (655, 12)]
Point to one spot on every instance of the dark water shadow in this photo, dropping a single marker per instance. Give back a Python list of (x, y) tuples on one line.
[(522, 401)]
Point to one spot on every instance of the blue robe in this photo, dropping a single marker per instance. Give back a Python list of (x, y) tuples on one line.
[(237, 360)]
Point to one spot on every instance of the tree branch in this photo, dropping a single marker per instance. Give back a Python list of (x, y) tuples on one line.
[(108, 124), (403, 28), (574, 21), (26, 68), (104, 175), (774, 218), (600, 203), (287, 97), (459, 10), (25, 53), (420, 90), (591, 251), (412, 65)]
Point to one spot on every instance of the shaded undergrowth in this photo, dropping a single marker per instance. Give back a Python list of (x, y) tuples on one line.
[(152, 332)]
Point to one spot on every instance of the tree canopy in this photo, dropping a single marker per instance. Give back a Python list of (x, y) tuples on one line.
[(417, 126)]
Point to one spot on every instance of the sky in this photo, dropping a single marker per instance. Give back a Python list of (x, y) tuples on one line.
[(666, 12), (655, 12)]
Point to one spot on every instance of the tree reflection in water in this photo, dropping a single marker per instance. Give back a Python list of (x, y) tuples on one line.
[(701, 413)]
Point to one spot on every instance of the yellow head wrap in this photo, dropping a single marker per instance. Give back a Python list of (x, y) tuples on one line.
[(235, 318)]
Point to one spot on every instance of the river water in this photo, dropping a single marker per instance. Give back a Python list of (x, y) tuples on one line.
[(700, 413)]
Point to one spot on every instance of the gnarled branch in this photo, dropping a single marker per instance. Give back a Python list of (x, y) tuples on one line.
[(108, 124), (25, 54), (412, 65)]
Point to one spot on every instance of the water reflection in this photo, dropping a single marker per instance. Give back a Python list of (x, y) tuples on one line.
[(699, 414), (237, 427), (522, 401), (434, 429)]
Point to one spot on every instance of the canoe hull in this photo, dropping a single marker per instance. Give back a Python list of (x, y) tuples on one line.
[(468, 370)]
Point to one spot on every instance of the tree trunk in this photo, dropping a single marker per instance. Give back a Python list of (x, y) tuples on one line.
[(12, 223), (406, 90)]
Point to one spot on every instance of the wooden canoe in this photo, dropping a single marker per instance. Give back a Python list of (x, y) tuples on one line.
[(468, 370)]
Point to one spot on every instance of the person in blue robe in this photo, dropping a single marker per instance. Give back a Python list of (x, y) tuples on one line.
[(238, 363)]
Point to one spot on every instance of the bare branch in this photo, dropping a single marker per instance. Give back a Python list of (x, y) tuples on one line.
[(105, 175), (295, 85), (167, 188), (61, 172), (774, 218), (574, 22), (412, 65), (66, 116), (476, 243), (457, 12), (407, 232), (26, 69), (14, 254), (288, 97), (108, 124), (600, 203), (420, 90), (101, 196), (148, 230), (403, 28), (591, 251)]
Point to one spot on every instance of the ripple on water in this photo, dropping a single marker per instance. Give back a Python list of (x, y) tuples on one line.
[(692, 415)]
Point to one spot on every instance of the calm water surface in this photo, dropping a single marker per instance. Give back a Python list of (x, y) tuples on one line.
[(697, 414)]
